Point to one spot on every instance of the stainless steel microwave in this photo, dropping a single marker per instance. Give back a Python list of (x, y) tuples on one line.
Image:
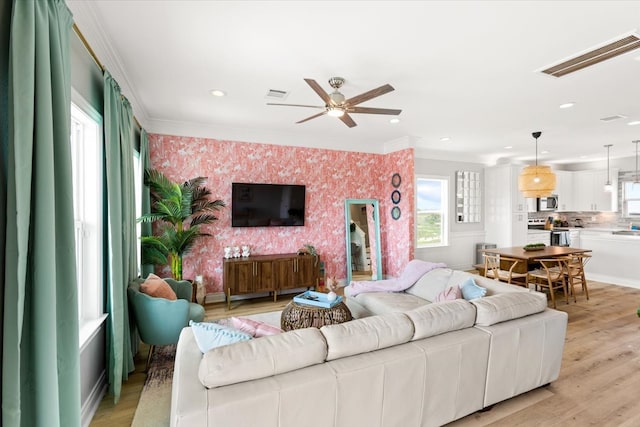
[(548, 203)]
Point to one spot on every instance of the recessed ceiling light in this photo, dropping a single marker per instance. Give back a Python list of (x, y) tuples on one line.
[(633, 123), (508, 147), (583, 156), (445, 139), (568, 105), (394, 121), (544, 152), (217, 92)]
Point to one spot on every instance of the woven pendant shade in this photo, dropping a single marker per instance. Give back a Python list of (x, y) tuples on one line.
[(537, 181)]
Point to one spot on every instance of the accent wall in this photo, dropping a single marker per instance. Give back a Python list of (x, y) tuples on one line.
[(330, 177)]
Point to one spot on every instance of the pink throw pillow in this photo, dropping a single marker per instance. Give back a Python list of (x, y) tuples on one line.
[(253, 327), (449, 294), (156, 287)]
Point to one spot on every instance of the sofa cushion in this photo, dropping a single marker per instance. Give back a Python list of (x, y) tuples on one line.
[(502, 307), (391, 302), (210, 335), (431, 284), (470, 290), (436, 319), (262, 357), (156, 287), (366, 334)]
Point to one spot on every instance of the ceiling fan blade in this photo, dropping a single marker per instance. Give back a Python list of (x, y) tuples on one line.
[(321, 93), (347, 120), (312, 117), (367, 110), (369, 95), (295, 105)]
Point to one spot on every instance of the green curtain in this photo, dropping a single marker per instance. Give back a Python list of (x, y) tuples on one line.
[(40, 364), (122, 262), (146, 196)]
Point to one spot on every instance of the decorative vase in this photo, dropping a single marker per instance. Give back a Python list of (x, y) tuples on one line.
[(201, 291), (236, 252), (245, 251), (227, 252), (331, 296)]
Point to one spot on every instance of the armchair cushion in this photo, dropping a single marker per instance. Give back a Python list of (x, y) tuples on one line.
[(157, 287)]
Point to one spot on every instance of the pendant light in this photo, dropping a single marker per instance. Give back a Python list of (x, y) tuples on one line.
[(608, 187), (536, 181)]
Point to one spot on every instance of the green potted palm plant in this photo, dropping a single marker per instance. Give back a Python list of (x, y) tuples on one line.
[(183, 209)]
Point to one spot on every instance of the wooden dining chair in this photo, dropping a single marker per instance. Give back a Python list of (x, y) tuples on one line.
[(575, 273), (492, 270), (550, 276)]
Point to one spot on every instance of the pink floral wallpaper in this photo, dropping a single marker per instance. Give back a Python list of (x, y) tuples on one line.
[(330, 177)]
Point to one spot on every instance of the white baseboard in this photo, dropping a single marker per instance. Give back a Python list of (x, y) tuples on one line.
[(93, 401)]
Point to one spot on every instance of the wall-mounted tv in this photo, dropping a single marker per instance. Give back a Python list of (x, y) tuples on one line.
[(266, 205)]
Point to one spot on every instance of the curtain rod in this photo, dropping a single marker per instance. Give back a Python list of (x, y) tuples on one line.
[(96, 60)]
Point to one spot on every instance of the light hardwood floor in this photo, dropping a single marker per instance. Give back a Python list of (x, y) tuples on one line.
[(598, 385)]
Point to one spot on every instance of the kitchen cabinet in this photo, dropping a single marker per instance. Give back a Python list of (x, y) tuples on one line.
[(269, 274), (564, 190), (589, 194), (614, 258), (505, 207), (539, 236)]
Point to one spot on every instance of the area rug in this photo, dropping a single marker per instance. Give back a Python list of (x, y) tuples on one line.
[(154, 406)]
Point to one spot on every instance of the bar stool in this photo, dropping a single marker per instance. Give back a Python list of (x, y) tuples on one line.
[(551, 276)]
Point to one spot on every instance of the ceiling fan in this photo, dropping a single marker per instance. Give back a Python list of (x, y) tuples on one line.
[(337, 106)]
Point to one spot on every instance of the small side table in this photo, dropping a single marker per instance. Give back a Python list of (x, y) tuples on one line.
[(298, 316)]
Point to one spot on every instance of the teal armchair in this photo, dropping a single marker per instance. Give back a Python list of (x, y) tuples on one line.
[(160, 320)]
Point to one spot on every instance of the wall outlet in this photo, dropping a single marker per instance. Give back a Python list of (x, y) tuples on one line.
[(593, 218)]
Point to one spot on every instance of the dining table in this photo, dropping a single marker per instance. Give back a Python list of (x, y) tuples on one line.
[(529, 257)]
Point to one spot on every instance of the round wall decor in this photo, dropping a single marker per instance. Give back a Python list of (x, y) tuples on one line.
[(395, 213), (396, 180), (395, 197)]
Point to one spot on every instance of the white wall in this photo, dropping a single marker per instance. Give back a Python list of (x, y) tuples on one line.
[(460, 254)]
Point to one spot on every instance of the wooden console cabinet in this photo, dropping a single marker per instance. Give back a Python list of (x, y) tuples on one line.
[(269, 273)]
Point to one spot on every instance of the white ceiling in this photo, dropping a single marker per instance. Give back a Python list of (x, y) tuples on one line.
[(463, 70)]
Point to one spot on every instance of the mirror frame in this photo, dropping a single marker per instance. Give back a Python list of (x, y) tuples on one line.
[(377, 275)]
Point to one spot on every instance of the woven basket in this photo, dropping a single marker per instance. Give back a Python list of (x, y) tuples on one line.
[(298, 316)]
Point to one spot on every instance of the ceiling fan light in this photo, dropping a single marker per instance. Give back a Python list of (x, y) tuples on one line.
[(335, 112), (537, 181)]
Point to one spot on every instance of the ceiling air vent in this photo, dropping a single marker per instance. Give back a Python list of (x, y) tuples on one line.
[(595, 56), (612, 118), (277, 94)]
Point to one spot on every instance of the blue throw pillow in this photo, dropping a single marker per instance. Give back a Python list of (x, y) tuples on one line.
[(212, 335), (470, 290)]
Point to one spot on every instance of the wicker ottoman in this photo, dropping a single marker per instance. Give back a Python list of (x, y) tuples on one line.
[(298, 316)]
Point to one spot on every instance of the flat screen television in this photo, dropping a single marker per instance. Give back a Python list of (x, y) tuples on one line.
[(267, 205)]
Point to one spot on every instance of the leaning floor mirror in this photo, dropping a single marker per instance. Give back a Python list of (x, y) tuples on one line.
[(362, 224)]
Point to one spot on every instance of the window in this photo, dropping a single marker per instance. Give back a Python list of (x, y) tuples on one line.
[(431, 211), (86, 155), (631, 199)]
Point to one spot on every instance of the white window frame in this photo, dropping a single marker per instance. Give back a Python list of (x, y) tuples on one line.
[(86, 125), (628, 200), (445, 210), (137, 177)]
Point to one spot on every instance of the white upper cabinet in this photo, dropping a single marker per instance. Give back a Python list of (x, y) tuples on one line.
[(589, 194), (564, 190), (519, 203)]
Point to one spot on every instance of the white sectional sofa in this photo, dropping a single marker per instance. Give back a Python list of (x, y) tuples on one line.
[(409, 362)]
